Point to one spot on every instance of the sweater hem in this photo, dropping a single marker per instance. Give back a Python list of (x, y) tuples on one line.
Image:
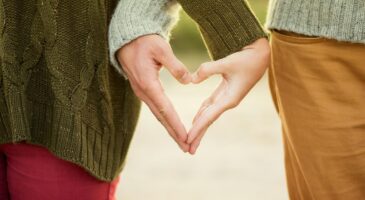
[(331, 20), (72, 139), (323, 34)]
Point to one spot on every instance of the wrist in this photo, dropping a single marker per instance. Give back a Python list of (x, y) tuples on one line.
[(261, 45)]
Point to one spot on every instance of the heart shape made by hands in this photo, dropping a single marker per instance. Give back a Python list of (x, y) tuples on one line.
[(186, 99), (143, 59)]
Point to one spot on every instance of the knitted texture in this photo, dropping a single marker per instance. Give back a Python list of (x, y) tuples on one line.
[(58, 89), (343, 20), (131, 20), (226, 25)]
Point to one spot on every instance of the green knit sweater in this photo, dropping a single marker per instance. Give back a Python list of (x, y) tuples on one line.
[(343, 20), (58, 89)]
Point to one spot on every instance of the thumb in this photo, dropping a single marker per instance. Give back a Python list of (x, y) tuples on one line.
[(208, 69), (175, 66)]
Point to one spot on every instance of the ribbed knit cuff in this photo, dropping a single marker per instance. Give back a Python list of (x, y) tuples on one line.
[(135, 18), (226, 25), (339, 20)]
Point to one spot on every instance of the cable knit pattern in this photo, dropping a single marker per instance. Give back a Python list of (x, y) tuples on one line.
[(343, 20), (130, 21), (58, 88)]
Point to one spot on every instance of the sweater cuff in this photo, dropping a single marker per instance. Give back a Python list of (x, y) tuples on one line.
[(136, 18), (226, 25)]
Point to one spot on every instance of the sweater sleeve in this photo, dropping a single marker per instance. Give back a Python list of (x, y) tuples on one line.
[(134, 18), (226, 25)]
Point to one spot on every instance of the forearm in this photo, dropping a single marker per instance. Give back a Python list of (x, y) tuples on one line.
[(226, 25), (135, 18)]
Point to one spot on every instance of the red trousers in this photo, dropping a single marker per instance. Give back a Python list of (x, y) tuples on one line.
[(31, 172)]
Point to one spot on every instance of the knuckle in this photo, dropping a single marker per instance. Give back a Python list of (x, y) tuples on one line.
[(203, 69), (145, 85), (178, 72), (138, 94), (233, 104), (207, 102), (161, 48), (209, 122), (164, 45), (147, 88), (162, 111)]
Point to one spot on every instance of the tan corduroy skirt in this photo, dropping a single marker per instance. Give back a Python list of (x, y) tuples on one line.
[(318, 86)]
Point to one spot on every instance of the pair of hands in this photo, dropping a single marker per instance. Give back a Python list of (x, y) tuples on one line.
[(143, 58)]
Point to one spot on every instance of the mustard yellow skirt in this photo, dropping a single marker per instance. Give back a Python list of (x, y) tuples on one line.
[(318, 87)]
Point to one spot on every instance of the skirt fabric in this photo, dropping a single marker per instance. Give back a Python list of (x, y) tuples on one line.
[(31, 172)]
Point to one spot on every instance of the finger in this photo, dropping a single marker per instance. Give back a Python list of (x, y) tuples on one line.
[(174, 66), (218, 92), (208, 69), (226, 99), (209, 115), (184, 147), (204, 106), (164, 106), (195, 144)]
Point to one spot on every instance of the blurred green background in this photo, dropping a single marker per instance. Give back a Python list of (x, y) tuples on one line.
[(240, 156), (188, 44)]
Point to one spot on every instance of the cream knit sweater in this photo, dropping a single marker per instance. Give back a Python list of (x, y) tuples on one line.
[(343, 20), (130, 22)]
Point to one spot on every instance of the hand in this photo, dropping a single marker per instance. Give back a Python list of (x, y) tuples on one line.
[(240, 72), (142, 60)]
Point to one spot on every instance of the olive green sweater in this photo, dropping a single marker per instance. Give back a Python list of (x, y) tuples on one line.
[(58, 89)]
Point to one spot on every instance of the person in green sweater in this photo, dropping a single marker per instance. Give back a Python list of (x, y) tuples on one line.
[(66, 115)]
